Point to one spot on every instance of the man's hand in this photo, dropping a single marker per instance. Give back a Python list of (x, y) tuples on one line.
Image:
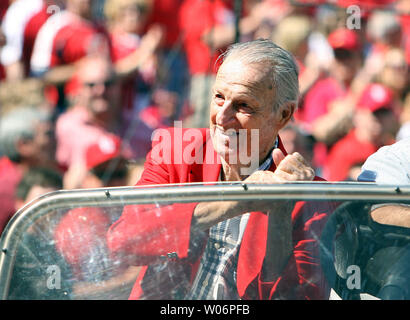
[(293, 167)]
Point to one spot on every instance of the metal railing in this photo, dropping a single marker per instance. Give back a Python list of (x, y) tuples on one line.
[(197, 192)]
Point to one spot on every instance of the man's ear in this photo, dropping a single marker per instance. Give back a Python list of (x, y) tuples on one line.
[(285, 113)]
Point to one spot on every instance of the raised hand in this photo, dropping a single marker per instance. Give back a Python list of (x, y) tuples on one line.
[(292, 167)]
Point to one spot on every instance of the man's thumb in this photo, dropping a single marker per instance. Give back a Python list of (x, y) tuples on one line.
[(277, 156)]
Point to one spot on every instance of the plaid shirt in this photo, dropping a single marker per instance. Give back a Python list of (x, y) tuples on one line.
[(216, 276)]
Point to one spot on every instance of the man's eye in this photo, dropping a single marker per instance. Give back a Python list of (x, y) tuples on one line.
[(244, 107), (219, 98)]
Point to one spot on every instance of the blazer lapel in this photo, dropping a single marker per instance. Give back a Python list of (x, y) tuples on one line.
[(252, 250), (253, 247)]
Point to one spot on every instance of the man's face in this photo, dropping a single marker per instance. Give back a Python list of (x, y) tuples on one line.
[(133, 17), (98, 90), (395, 72), (346, 64), (41, 148), (242, 100)]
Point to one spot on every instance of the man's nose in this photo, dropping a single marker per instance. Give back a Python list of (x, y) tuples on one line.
[(100, 88), (225, 114)]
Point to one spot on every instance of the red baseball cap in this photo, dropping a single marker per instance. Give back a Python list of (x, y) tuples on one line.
[(106, 148), (376, 96), (344, 38)]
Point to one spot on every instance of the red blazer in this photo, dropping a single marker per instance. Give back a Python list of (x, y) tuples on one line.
[(161, 236)]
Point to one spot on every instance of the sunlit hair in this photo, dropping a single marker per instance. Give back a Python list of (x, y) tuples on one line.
[(19, 123), (381, 24), (284, 73), (292, 31), (112, 8)]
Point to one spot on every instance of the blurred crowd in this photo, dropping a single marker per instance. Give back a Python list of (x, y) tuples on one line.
[(84, 83)]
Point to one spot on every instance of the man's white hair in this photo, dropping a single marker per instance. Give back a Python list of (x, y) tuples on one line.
[(19, 123), (381, 24), (285, 72)]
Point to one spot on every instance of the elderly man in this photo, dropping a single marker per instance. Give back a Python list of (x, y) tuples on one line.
[(228, 249), (26, 141)]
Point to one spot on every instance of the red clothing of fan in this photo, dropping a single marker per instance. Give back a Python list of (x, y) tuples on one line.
[(197, 17), (30, 33), (10, 176), (345, 154)]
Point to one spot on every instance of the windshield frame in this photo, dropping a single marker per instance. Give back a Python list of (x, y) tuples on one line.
[(192, 192)]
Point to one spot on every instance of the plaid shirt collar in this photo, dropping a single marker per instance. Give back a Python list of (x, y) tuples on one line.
[(267, 163)]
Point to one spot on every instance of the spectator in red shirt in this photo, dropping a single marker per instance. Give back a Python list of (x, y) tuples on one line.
[(15, 20), (33, 26), (65, 38), (25, 142), (346, 64), (133, 52), (375, 125), (329, 104), (173, 67), (165, 13), (93, 115)]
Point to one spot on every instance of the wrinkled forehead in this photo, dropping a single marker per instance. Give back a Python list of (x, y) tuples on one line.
[(235, 70)]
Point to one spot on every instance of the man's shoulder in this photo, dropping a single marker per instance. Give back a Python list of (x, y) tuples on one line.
[(327, 83), (72, 116), (177, 145), (399, 151), (389, 164)]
